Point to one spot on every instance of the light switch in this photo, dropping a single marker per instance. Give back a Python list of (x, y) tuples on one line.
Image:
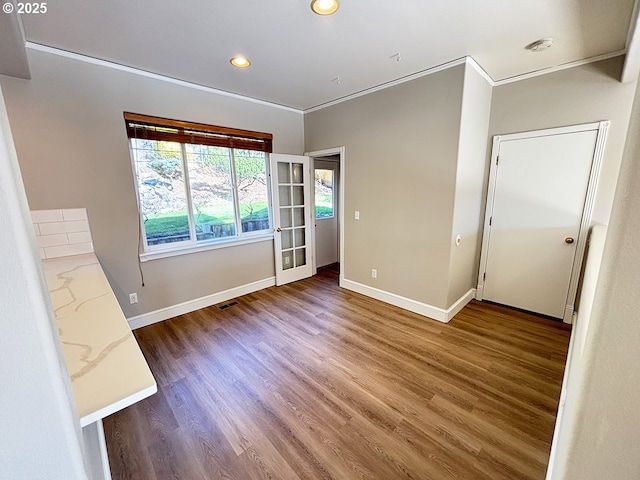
[(357, 215)]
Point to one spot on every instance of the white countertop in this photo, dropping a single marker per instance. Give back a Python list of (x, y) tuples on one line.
[(108, 371)]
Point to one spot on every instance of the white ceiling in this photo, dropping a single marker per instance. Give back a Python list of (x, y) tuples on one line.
[(296, 54)]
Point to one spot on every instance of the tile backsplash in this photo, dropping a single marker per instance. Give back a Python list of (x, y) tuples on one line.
[(61, 233)]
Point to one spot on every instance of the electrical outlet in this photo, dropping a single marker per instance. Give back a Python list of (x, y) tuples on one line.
[(374, 273), (133, 298), (357, 215)]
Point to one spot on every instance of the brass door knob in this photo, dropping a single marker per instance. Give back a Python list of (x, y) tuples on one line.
[(278, 229), (568, 240)]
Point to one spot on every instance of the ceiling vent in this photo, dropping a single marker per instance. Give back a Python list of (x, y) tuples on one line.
[(540, 45)]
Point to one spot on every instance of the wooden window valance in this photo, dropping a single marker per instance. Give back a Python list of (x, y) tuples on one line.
[(167, 130)]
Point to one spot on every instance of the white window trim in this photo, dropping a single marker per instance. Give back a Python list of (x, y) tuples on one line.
[(193, 246), (204, 246)]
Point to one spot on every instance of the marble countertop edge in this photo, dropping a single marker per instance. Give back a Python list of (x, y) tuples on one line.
[(98, 343)]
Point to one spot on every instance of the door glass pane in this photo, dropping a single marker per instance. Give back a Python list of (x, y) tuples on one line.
[(298, 217), (324, 193), (297, 172), (285, 195), (287, 260), (287, 239), (301, 258), (211, 191), (161, 186), (285, 218), (298, 195), (283, 173), (299, 237)]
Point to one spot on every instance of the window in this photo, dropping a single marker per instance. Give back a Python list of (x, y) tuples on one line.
[(324, 193), (197, 183)]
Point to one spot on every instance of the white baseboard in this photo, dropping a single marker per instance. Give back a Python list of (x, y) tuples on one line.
[(569, 315), (435, 313), (192, 305), (459, 304)]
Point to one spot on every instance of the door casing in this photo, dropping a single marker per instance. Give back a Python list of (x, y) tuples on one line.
[(602, 128), (326, 153), (327, 229)]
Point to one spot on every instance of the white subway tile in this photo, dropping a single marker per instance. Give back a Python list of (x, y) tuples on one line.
[(71, 214), (52, 240), (68, 250), (46, 216), (52, 228), (79, 237), (76, 226), (36, 229), (64, 227)]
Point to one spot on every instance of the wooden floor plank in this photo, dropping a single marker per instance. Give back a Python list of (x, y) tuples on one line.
[(310, 381)]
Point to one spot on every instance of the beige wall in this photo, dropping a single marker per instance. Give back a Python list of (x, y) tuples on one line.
[(400, 170), (413, 167), (401, 156), (584, 94), (73, 151), (604, 395), (469, 185), (40, 434)]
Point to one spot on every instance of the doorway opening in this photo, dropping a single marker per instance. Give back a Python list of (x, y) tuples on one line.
[(327, 169)]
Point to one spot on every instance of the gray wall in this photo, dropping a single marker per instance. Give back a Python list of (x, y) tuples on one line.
[(584, 94), (39, 429), (469, 185), (71, 142), (415, 150), (400, 172), (606, 394)]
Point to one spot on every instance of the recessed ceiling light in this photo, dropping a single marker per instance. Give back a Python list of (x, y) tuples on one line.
[(540, 45), (324, 7), (240, 62)]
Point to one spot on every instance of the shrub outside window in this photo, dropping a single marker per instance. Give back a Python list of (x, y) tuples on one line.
[(199, 189), (324, 194)]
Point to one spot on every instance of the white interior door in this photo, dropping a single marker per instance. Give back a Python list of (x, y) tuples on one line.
[(534, 220), (326, 211), (291, 191)]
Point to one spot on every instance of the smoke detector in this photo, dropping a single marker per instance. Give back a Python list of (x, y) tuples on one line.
[(540, 45)]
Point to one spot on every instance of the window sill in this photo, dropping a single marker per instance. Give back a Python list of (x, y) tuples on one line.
[(203, 247)]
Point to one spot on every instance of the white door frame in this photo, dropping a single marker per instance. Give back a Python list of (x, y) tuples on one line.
[(602, 128), (326, 153)]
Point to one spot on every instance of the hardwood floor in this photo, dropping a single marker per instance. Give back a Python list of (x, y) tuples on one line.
[(309, 381)]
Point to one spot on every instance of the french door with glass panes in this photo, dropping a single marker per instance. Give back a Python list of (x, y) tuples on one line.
[(291, 191)]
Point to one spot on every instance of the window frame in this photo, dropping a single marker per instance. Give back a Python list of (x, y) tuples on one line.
[(192, 245), (333, 196)]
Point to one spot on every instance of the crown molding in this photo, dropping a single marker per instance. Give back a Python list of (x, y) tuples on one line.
[(481, 71), (143, 73), (382, 86), (468, 60), (559, 68)]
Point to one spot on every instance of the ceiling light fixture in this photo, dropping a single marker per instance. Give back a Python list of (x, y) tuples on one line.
[(540, 45), (240, 62), (324, 7)]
